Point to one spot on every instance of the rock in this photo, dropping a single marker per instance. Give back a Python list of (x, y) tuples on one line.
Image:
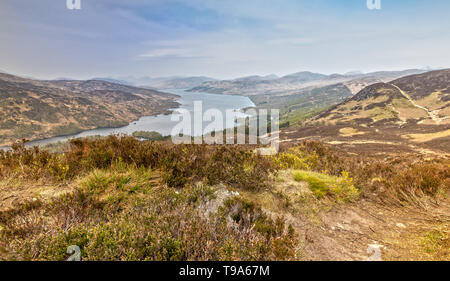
[(401, 225), (374, 252)]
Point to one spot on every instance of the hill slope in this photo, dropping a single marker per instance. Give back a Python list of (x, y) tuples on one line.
[(412, 112), (421, 99), (39, 109)]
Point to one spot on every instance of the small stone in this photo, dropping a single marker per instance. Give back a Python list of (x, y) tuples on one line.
[(401, 225)]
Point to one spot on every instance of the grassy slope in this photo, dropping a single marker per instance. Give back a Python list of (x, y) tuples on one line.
[(121, 199)]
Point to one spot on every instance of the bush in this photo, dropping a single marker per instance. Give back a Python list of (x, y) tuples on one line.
[(314, 156), (151, 136), (116, 215), (181, 164), (248, 216)]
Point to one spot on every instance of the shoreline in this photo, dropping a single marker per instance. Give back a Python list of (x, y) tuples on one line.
[(29, 142), (103, 131), (6, 146)]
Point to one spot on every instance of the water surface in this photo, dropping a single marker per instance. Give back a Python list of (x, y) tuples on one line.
[(162, 123)]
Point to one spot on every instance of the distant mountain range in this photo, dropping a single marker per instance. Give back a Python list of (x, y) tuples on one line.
[(257, 78), (292, 83), (35, 109), (180, 83), (160, 83), (256, 84), (110, 80)]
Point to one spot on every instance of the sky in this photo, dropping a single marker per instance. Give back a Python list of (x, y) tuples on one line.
[(220, 38)]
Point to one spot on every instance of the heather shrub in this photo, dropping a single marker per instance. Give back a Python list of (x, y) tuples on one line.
[(239, 167), (404, 179), (410, 183), (232, 165), (400, 180), (248, 216), (180, 164), (118, 214)]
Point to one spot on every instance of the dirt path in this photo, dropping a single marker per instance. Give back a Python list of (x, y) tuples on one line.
[(431, 114), (369, 231)]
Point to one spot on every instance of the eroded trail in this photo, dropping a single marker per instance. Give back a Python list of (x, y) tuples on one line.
[(430, 113), (357, 232), (369, 231), (370, 228)]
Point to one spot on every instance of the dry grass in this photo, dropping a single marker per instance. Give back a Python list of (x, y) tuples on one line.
[(427, 137), (350, 132), (123, 213), (132, 200), (429, 243)]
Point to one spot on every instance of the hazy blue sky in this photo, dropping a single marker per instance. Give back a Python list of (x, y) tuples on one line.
[(223, 38)]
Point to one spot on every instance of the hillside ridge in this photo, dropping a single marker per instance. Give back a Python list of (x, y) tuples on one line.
[(37, 109)]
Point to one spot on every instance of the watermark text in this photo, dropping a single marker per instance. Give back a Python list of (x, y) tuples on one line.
[(73, 4), (374, 4)]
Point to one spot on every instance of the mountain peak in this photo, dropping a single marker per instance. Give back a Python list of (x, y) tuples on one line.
[(303, 76)]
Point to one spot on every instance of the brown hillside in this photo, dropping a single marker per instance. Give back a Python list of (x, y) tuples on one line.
[(34, 109), (407, 114)]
